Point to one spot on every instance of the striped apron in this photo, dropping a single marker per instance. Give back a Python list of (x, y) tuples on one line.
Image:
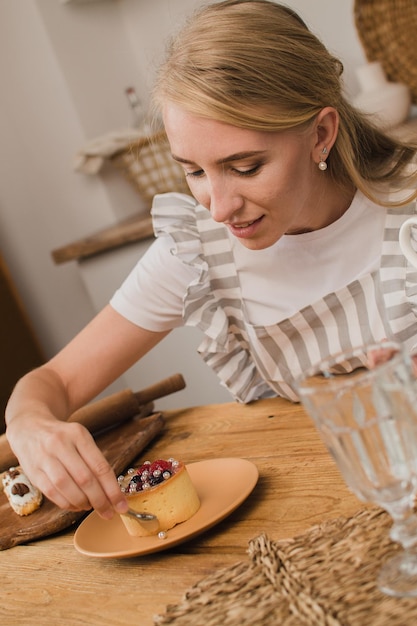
[(263, 361)]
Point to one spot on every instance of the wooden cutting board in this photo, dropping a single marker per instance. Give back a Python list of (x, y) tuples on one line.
[(120, 446)]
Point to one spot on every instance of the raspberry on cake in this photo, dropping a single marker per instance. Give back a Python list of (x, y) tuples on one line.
[(24, 498), (163, 488)]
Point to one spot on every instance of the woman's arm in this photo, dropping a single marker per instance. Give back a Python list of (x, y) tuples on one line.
[(62, 458)]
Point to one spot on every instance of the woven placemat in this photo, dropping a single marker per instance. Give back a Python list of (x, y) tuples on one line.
[(387, 30), (327, 576)]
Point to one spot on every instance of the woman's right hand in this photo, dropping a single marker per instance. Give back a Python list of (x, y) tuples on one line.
[(63, 461), (61, 458)]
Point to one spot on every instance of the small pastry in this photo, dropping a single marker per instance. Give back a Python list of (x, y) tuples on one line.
[(24, 498)]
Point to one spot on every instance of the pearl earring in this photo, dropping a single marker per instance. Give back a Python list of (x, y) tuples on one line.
[(323, 164)]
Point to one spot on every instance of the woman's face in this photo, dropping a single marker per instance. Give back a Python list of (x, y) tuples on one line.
[(261, 185)]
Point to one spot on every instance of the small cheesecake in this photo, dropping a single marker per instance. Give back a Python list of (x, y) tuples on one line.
[(163, 488)]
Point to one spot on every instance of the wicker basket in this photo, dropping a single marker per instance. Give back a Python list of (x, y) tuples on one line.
[(149, 166), (387, 30)]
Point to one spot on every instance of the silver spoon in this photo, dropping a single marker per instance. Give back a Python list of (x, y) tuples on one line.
[(148, 520)]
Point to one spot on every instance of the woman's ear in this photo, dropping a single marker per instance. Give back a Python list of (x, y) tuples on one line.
[(326, 128)]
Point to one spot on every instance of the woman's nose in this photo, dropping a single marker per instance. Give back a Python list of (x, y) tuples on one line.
[(224, 200)]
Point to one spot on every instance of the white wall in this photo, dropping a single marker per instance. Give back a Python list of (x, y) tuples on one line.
[(63, 71), (58, 88)]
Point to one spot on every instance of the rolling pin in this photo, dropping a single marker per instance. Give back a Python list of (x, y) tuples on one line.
[(110, 411)]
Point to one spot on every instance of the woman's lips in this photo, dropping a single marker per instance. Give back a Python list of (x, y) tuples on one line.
[(245, 230)]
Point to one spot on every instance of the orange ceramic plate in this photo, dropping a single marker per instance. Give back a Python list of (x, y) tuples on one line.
[(222, 485)]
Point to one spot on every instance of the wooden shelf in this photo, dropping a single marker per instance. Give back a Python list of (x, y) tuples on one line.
[(128, 231)]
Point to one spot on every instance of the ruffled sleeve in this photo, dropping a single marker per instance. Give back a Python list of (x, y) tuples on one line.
[(213, 301), (177, 215)]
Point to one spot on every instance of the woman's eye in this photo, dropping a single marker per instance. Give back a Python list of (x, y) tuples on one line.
[(248, 172), (195, 174)]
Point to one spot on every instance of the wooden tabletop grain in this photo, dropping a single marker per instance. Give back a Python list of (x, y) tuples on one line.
[(48, 582)]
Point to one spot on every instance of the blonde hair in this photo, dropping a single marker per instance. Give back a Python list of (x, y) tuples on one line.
[(255, 64)]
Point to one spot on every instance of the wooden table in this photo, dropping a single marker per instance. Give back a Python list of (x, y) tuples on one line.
[(49, 583)]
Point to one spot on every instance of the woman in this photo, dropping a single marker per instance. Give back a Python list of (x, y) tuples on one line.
[(285, 251)]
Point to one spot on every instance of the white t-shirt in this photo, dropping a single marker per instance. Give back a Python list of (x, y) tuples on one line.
[(275, 282)]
